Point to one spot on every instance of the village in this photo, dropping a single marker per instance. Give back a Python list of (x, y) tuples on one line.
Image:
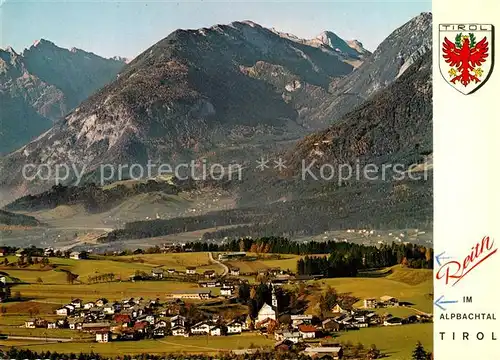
[(272, 303), (137, 318)]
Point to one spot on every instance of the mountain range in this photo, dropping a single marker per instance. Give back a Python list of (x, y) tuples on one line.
[(196, 91), (40, 85), (236, 90)]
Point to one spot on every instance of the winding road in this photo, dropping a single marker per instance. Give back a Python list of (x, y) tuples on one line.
[(224, 266)]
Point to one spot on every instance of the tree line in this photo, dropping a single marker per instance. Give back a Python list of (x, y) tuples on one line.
[(345, 259)]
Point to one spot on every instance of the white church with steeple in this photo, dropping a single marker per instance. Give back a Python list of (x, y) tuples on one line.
[(269, 311)]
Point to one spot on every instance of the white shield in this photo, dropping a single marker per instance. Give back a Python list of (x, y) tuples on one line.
[(466, 55)]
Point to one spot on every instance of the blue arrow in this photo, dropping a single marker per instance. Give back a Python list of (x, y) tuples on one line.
[(439, 302), (440, 257)]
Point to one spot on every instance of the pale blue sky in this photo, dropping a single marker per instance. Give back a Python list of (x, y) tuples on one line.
[(126, 28)]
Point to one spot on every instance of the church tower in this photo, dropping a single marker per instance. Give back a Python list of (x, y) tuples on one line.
[(274, 299)]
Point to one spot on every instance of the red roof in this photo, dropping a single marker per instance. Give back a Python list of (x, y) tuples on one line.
[(307, 328), (122, 318), (141, 324)]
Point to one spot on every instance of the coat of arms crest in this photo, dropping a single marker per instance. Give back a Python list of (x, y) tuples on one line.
[(466, 55)]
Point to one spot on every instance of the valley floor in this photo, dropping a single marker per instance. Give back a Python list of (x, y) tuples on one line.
[(44, 290)]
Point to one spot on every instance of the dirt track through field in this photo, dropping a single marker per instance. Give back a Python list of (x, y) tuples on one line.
[(192, 346), (224, 266), (39, 338)]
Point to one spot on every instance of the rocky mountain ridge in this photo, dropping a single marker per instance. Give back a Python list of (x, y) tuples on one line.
[(389, 61), (41, 84), (193, 92), (393, 126), (351, 51)]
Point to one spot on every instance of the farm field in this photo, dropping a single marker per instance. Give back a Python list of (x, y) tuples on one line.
[(83, 268), (398, 284), (399, 273), (419, 296), (63, 293), (397, 342), (122, 267), (19, 343), (267, 261), (177, 261), (13, 319), (42, 333), (410, 276), (31, 276), (54, 289), (171, 344)]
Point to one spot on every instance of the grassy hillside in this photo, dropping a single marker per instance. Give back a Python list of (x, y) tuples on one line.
[(410, 276), (121, 266), (266, 261), (178, 261), (397, 342), (414, 286), (63, 293), (54, 286), (11, 219)]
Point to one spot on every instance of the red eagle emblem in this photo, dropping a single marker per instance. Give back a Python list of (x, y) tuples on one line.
[(465, 57)]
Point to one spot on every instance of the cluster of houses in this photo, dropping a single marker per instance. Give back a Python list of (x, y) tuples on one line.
[(302, 327), (384, 301), (160, 273), (210, 327), (129, 319), (136, 318), (47, 252), (210, 278), (213, 326), (75, 255)]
